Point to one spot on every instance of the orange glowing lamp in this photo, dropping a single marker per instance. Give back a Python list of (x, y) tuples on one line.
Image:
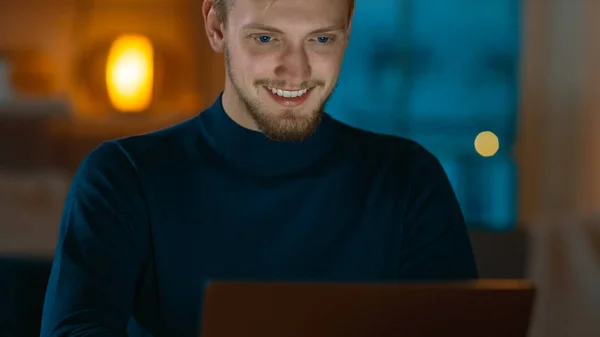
[(130, 73)]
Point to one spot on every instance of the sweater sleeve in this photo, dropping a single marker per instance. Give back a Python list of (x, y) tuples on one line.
[(435, 240), (101, 250)]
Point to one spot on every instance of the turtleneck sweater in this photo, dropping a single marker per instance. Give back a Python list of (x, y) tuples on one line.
[(151, 218)]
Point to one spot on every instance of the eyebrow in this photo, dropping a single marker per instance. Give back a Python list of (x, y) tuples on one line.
[(260, 26)]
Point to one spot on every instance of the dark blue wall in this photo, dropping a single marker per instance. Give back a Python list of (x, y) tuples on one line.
[(440, 72)]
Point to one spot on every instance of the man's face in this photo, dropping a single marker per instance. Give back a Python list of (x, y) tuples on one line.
[(283, 59)]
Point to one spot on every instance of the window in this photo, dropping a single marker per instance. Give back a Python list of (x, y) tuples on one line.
[(441, 72)]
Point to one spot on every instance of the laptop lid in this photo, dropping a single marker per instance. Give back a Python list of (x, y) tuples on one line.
[(491, 308)]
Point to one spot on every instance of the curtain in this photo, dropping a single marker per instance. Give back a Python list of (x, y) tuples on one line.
[(559, 164)]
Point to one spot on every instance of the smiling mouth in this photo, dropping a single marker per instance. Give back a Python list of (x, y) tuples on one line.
[(289, 98), (287, 93)]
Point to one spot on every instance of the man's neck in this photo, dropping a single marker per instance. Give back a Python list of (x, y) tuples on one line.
[(236, 109)]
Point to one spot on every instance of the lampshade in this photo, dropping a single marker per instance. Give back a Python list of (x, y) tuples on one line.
[(130, 73)]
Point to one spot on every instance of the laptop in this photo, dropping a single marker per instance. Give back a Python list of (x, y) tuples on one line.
[(490, 308)]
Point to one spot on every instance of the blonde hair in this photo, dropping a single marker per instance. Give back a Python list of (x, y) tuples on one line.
[(222, 6)]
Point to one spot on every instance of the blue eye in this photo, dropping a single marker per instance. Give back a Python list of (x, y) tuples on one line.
[(323, 39), (264, 39)]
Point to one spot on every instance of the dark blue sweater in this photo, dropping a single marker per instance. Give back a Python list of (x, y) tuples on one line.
[(151, 218)]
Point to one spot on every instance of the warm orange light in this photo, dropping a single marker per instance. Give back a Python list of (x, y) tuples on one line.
[(487, 144), (130, 73)]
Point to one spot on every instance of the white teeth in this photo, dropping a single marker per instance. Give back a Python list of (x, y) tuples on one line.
[(288, 93)]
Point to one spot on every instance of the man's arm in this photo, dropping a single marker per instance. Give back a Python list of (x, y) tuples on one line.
[(101, 249), (435, 241)]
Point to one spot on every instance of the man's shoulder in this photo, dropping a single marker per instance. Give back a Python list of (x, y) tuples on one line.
[(396, 149), (158, 146), (167, 140)]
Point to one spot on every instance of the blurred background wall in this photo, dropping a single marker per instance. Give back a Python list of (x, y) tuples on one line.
[(518, 78)]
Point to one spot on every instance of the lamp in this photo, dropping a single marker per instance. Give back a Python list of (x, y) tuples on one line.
[(130, 73)]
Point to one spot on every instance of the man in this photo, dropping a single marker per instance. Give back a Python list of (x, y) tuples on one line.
[(261, 186)]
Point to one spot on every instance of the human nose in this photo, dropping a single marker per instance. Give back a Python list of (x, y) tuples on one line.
[(295, 66)]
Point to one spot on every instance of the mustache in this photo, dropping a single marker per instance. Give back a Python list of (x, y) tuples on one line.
[(283, 84)]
